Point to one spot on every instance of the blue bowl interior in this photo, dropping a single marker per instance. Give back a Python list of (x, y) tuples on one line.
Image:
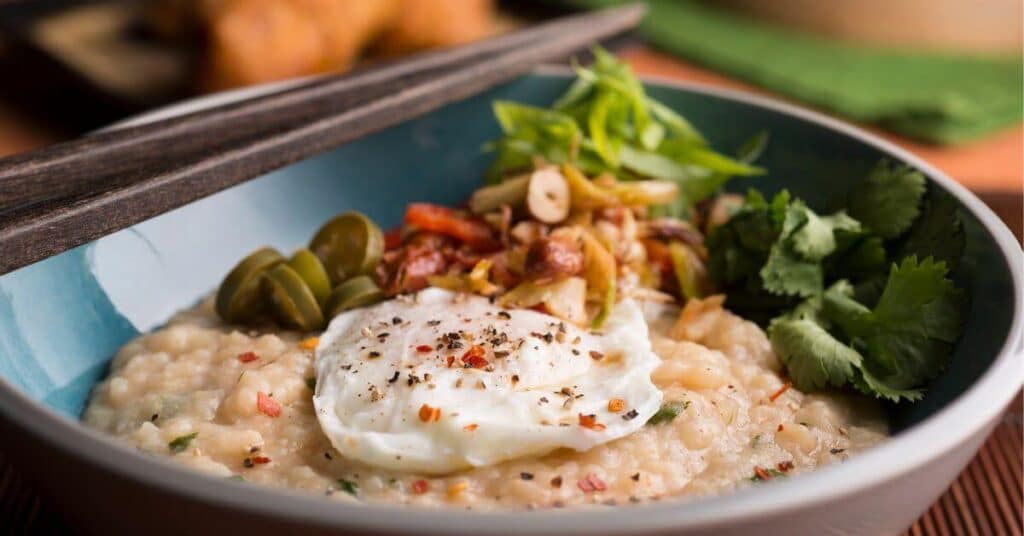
[(61, 320)]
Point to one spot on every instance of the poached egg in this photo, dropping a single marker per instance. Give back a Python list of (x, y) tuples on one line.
[(438, 381)]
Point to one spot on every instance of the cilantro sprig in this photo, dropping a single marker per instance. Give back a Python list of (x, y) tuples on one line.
[(605, 122), (861, 297)]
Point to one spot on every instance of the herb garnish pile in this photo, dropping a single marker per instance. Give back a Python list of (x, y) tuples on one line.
[(605, 122), (860, 297)]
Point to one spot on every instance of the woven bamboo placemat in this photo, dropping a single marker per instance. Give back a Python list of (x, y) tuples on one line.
[(984, 500)]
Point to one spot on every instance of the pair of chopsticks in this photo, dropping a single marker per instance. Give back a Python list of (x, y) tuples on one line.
[(65, 195)]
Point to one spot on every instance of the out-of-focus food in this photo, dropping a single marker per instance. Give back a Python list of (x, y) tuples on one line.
[(423, 24), (253, 41)]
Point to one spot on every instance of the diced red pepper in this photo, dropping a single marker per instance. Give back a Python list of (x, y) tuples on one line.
[(248, 357), (424, 348), (591, 483), (446, 221), (267, 406)]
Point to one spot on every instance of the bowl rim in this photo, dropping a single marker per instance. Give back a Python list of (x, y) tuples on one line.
[(971, 412)]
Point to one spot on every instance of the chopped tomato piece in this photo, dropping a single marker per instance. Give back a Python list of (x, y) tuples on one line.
[(446, 221)]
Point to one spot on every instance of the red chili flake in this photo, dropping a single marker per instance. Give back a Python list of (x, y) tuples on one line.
[(591, 483), (590, 421), (761, 473), (420, 487), (260, 460), (780, 428), (785, 466), (451, 360), (470, 427), (267, 406), (785, 387), (248, 357), (474, 357), (424, 348)]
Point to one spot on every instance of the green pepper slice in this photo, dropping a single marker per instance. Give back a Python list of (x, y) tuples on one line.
[(356, 292), (240, 297), (290, 299), (312, 271), (349, 245)]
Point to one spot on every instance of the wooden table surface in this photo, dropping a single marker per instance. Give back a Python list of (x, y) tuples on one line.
[(985, 499)]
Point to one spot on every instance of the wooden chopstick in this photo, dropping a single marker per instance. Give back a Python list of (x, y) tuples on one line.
[(63, 196)]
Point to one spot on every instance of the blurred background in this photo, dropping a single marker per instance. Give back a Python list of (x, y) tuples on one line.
[(941, 78)]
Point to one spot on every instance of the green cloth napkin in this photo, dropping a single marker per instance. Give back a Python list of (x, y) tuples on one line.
[(935, 97)]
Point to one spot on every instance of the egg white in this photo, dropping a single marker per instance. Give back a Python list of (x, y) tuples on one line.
[(373, 377)]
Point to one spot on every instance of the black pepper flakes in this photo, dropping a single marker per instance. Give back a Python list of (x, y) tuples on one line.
[(526, 476), (248, 463), (596, 356), (556, 482), (394, 378), (374, 354), (635, 477), (630, 415), (396, 321), (505, 315), (433, 322)]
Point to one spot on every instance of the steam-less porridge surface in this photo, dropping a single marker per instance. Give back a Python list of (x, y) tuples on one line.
[(247, 398)]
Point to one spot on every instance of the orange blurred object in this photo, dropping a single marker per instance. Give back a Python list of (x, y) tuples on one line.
[(254, 41), (425, 24)]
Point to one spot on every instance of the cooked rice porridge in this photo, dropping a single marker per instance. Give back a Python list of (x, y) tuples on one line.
[(738, 422)]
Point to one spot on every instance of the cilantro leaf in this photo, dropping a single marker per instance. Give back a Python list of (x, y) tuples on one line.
[(816, 239), (787, 274), (907, 338), (813, 357), (888, 200), (793, 266), (938, 232), (867, 384), (859, 256)]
